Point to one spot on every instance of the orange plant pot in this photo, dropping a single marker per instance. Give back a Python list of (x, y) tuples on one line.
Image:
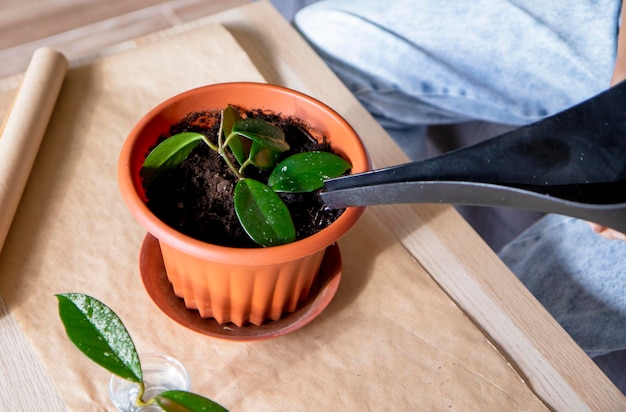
[(238, 285)]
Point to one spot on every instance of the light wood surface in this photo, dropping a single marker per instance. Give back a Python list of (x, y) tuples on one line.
[(407, 239), (80, 28)]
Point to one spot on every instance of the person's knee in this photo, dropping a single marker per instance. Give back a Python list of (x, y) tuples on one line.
[(340, 31), (318, 24)]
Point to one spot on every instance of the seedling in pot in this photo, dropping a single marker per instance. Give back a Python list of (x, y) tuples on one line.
[(253, 142), (100, 334)]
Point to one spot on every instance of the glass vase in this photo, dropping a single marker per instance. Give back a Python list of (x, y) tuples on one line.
[(160, 373)]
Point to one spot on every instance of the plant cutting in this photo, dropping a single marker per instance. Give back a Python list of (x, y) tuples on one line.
[(259, 143), (99, 333), (225, 281)]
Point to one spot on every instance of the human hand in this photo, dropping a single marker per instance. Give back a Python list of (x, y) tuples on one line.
[(619, 71), (607, 232)]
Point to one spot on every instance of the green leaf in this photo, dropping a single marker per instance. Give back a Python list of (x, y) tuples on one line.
[(305, 172), (230, 116), (263, 157), (263, 132), (182, 401), (263, 214), (100, 334), (168, 154), (239, 146)]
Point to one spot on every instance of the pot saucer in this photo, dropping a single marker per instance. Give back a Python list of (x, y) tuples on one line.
[(161, 292)]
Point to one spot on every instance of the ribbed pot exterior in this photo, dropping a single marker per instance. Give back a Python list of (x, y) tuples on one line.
[(238, 285), (237, 293)]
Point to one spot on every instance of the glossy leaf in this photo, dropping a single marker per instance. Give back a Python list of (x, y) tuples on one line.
[(305, 172), (260, 131), (262, 213), (230, 116), (239, 146), (182, 401), (168, 154), (100, 334), (263, 157)]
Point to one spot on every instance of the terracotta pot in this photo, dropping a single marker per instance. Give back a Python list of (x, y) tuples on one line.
[(238, 285)]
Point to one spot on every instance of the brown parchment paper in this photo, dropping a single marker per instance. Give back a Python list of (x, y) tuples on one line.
[(390, 340)]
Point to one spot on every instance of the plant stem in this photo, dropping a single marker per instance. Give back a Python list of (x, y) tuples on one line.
[(244, 165), (228, 139), (140, 402), (220, 132), (222, 152), (209, 143), (230, 164)]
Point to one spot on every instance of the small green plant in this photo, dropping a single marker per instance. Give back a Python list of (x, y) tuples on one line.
[(99, 333), (253, 142)]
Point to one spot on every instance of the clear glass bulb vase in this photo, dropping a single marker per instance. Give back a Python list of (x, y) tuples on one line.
[(160, 373)]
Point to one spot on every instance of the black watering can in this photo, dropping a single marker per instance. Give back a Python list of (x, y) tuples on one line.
[(572, 163)]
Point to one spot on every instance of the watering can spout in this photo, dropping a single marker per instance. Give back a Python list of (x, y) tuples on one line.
[(567, 163)]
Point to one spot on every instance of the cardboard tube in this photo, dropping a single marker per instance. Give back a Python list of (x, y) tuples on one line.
[(24, 129)]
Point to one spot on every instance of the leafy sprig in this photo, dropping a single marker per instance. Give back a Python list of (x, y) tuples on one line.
[(100, 334), (253, 142)]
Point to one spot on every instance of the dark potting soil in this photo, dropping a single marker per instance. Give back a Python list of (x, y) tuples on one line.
[(196, 198)]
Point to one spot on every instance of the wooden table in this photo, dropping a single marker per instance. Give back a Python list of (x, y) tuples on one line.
[(426, 317)]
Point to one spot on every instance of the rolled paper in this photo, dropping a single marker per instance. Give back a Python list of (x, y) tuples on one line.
[(24, 128)]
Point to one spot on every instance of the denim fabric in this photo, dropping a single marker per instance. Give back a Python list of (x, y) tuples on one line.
[(578, 276), (421, 62)]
